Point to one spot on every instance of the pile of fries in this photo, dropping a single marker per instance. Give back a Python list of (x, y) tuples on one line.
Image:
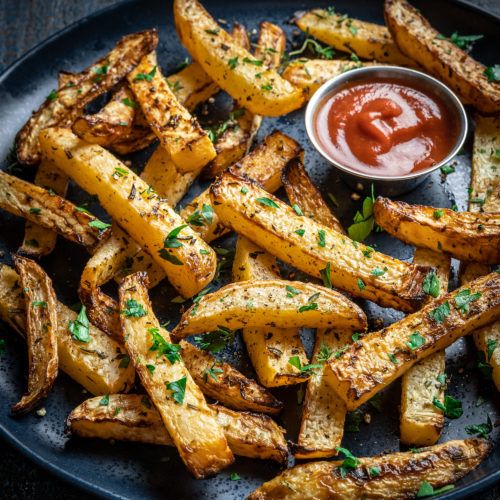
[(109, 342)]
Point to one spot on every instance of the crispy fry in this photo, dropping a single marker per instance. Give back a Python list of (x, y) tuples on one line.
[(179, 132), (125, 196), (398, 474), (266, 303), (228, 64), (417, 39), (38, 241), (41, 328), (247, 434), (182, 407), (96, 364), (464, 235), (50, 211), (224, 383), (69, 101), (311, 247), (369, 366), (141, 136)]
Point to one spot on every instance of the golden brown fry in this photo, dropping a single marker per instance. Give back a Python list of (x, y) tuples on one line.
[(248, 434), (179, 132), (381, 357), (38, 241), (128, 200), (68, 102), (311, 247), (302, 192), (228, 64), (141, 136), (182, 407), (112, 123), (41, 328), (267, 303), (398, 474), (366, 40), (222, 382), (467, 236), (50, 211), (417, 39), (96, 364), (421, 422)]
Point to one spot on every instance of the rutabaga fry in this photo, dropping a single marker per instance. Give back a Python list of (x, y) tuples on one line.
[(179, 133), (41, 328), (380, 357), (50, 211), (262, 92), (188, 262), (68, 102), (399, 475), (248, 434), (469, 236), (189, 421), (313, 248)]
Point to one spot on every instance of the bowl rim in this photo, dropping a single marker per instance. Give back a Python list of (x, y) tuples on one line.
[(330, 85)]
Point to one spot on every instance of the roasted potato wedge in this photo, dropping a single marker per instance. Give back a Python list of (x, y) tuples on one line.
[(421, 422), (269, 348), (231, 66), (50, 211), (310, 74), (96, 364), (69, 101), (302, 192), (179, 133), (397, 474), (265, 303), (417, 39), (112, 123), (129, 201), (367, 40), (39, 242), (311, 247), (41, 328), (191, 424), (225, 384), (381, 357), (247, 434), (323, 412), (466, 236), (141, 136)]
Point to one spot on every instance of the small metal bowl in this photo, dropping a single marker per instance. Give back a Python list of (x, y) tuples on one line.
[(385, 184)]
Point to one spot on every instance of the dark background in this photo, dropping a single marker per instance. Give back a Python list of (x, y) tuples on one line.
[(23, 24)]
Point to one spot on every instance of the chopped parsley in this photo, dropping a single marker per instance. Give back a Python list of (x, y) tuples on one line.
[(427, 490), (416, 341), (392, 358), (297, 209), (464, 298), (300, 232), (133, 309), (315, 47), (321, 238), (491, 345), (326, 275), (104, 400), (214, 32), (215, 341), (361, 284), (363, 221), (125, 361), (295, 361), (447, 169), (202, 217), (324, 353), (53, 95), (213, 372), (172, 240), (431, 284), (255, 62), (440, 313), (374, 471), (128, 102), (151, 368), (171, 351), (291, 291), (267, 87), (452, 408), (438, 214), (267, 201), (464, 42), (145, 76), (35, 211), (234, 476), (493, 73), (39, 303), (99, 225), (178, 389), (482, 430), (80, 327), (119, 172), (378, 272), (233, 62), (350, 461)]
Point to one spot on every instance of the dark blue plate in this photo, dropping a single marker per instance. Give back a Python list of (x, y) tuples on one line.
[(123, 470)]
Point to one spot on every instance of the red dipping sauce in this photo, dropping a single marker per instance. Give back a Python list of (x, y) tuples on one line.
[(384, 127)]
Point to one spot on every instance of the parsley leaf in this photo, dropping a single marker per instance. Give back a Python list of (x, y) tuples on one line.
[(215, 341), (233, 62), (374, 471), (297, 209), (350, 461), (482, 430), (291, 291), (326, 275), (431, 284), (464, 298), (491, 345), (145, 76), (133, 309), (378, 272), (80, 327), (452, 407), (234, 476), (213, 371), (315, 47), (178, 388), (172, 240), (361, 284), (321, 238), (493, 73), (440, 313), (416, 341), (295, 361), (464, 42), (447, 169), (201, 217), (171, 351), (427, 490), (363, 222), (267, 201), (324, 353), (99, 224)]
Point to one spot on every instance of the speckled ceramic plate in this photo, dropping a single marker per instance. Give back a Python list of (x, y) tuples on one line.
[(123, 470)]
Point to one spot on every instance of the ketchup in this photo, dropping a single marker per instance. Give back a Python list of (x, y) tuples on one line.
[(382, 126)]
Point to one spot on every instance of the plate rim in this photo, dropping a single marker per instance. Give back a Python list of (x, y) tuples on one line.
[(87, 486)]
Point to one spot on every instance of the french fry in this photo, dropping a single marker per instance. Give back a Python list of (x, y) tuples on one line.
[(38, 241), (399, 475), (247, 434), (366, 40), (40, 206), (421, 422), (41, 327), (128, 200), (314, 248), (271, 348), (267, 303), (68, 102), (95, 364), (369, 366), (191, 424), (179, 132)]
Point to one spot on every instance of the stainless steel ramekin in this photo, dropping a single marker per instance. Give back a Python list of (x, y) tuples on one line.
[(384, 184)]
